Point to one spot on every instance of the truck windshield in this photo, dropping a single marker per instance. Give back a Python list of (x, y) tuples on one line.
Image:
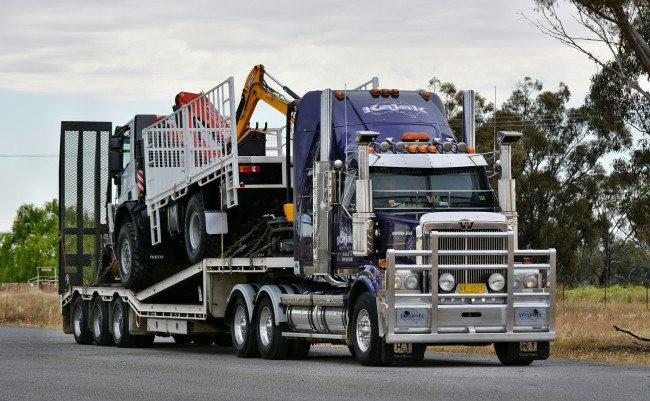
[(425, 188)]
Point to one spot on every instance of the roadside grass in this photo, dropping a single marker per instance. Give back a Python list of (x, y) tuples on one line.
[(584, 323)]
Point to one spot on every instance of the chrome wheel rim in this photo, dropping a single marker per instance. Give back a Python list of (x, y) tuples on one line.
[(97, 320), (266, 326), (363, 330), (77, 319), (195, 230), (117, 323), (125, 259), (240, 326)]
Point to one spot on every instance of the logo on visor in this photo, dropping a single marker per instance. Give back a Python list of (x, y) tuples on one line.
[(466, 225), (394, 107)]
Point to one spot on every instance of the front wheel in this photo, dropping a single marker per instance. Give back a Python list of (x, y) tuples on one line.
[(365, 341), (133, 273), (198, 244), (508, 354)]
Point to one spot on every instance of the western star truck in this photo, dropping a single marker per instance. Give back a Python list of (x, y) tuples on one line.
[(362, 222)]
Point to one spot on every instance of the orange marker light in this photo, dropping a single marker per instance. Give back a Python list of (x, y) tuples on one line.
[(432, 149), (415, 136), (371, 149), (339, 95), (413, 148), (385, 92), (375, 92), (425, 95), (470, 150), (394, 92), (422, 148)]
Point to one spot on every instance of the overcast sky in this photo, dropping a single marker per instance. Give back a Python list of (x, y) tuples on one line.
[(109, 60)]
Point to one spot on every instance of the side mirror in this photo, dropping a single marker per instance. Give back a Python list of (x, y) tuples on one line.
[(115, 156)]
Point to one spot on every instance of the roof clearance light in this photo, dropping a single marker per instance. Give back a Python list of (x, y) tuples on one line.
[(339, 95), (422, 148), (249, 169), (413, 148), (432, 149), (375, 92), (415, 136), (385, 92), (371, 149), (425, 95), (470, 150), (394, 92)]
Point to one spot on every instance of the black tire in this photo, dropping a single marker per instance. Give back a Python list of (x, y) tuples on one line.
[(271, 343), (101, 332), (198, 244), (120, 322), (509, 358), (242, 331), (144, 341), (82, 333), (299, 349), (365, 340), (418, 352), (182, 339), (133, 273), (351, 349)]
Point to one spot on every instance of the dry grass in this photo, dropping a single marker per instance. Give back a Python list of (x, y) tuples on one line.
[(30, 307), (584, 324)]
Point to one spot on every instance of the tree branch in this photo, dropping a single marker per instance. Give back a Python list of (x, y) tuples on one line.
[(632, 334)]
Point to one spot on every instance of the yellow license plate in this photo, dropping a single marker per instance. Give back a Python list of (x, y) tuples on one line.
[(471, 288)]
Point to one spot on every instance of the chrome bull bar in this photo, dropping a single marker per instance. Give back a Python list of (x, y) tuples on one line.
[(498, 321)]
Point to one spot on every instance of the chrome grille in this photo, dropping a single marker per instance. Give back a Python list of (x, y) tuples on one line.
[(472, 276)]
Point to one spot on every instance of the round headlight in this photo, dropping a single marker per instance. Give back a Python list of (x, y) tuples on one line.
[(447, 282), (398, 282), (411, 282), (496, 282), (516, 284), (530, 281)]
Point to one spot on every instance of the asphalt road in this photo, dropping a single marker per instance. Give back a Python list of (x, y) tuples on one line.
[(41, 364)]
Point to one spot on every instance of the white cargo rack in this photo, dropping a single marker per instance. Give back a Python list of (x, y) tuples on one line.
[(192, 145)]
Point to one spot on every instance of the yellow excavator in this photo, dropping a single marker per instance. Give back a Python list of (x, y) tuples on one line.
[(256, 89)]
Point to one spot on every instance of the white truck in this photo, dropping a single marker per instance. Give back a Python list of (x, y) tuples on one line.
[(362, 222)]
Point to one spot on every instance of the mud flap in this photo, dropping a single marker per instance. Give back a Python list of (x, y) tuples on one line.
[(402, 352), (528, 350)]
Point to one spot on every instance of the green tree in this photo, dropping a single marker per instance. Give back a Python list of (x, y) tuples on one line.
[(32, 242)]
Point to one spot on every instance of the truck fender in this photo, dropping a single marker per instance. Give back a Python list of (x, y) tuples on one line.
[(274, 292), (245, 291)]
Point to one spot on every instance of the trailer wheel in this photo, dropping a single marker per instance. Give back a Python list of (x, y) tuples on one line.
[(270, 341), (101, 333), (242, 331), (121, 335), (82, 334), (299, 349), (365, 340), (133, 274), (507, 356), (198, 244), (144, 341)]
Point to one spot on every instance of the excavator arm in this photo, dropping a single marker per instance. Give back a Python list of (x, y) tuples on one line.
[(255, 90)]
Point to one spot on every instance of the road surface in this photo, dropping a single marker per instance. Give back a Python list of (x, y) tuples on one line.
[(42, 364)]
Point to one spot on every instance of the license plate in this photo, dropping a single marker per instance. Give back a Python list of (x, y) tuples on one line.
[(528, 346), (471, 288)]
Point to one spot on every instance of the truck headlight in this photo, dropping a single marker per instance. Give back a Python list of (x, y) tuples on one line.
[(447, 282), (412, 282), (530, 281), (517, 282), (496, 282), (398, 282)]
